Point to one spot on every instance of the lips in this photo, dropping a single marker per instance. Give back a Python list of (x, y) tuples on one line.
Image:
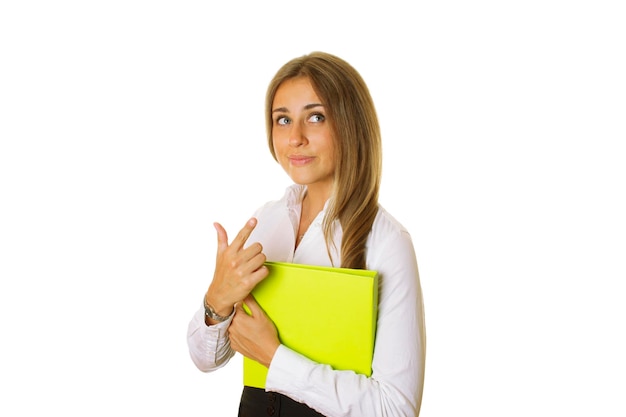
[(299, 160)]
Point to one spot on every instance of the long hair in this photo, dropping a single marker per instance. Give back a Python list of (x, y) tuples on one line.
[(358, 150)]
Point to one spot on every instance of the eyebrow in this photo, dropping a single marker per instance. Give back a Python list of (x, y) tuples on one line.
[(307, 107)]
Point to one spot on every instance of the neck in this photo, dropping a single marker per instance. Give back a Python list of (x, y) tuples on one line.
[(314, 201), (318, 194)]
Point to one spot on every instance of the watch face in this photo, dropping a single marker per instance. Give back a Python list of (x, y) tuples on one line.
[(210, 313), (213, 315)]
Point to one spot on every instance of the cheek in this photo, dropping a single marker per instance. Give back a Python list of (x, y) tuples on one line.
[(331, 146), (279, 151), (276, 146)]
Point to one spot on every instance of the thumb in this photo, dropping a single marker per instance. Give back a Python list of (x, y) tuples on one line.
[(240, 308), (254, 307), (222, 237)]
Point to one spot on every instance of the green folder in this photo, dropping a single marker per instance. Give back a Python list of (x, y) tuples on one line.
[(326, 314)]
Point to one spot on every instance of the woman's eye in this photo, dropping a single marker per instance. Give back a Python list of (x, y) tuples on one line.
[(316, 118), (283, 120)]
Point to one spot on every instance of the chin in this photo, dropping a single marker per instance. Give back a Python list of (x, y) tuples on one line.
[(299, 179)]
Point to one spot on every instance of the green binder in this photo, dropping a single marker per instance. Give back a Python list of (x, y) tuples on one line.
[(326, 314)]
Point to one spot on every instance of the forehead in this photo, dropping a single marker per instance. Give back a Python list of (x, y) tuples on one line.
[(295, 92)]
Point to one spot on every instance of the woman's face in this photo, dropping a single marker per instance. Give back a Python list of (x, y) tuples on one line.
[(302, 135)]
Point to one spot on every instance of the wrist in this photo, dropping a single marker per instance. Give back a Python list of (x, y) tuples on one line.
[(216, 314), (217, 303)]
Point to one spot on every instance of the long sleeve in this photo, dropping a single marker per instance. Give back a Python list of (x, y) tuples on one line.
[(209, 346), (395, 387)]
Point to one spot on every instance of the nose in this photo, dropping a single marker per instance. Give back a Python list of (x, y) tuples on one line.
[(297, 136)]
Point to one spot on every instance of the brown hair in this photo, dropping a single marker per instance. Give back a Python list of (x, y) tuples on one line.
[(358, 150)]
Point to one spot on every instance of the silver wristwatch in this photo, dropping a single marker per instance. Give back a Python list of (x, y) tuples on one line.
[(210, 313)]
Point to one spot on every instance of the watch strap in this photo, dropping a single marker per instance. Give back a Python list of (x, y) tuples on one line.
[(210, 312)]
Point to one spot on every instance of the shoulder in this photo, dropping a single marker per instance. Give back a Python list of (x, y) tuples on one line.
[(386, 226), (388, 241), (274, 228), (289, 199), (269, 208)]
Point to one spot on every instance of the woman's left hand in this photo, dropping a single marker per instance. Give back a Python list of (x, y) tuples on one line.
[(254, 336)]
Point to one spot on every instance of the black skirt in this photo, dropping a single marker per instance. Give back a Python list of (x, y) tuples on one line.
[(256, 402)]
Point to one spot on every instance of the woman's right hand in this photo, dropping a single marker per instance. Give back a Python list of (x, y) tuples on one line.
[(237, 270)]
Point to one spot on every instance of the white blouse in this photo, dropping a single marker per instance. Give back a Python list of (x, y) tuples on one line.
[(396, 384)]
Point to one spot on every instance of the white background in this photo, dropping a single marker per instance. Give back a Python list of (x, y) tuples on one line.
[(128, 127)]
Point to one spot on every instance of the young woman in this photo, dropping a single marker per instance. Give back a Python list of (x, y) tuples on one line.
[(323, 130)]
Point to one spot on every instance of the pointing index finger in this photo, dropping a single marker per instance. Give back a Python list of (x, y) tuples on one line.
[(244, 233)]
